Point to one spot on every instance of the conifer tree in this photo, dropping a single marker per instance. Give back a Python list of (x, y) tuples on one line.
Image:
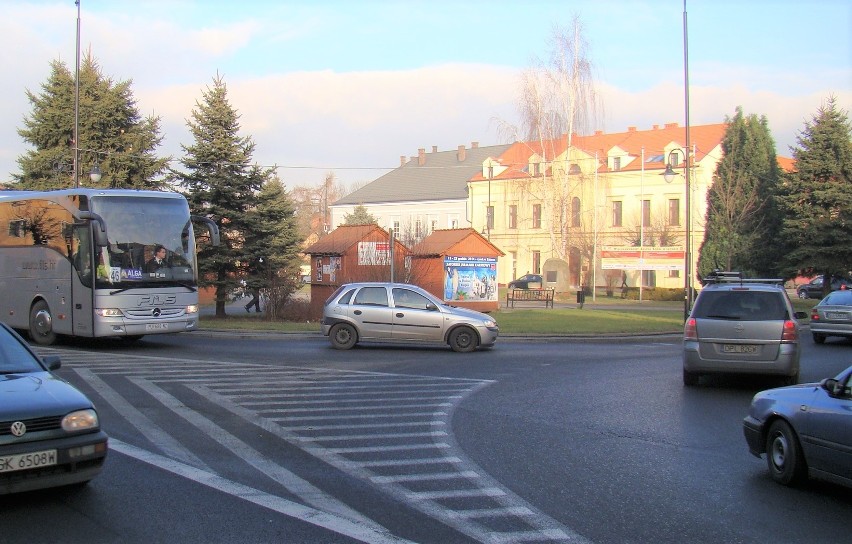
[(817, 197), (272, 245), (112, 134), (359, 216), (222, 184), (742, 221)]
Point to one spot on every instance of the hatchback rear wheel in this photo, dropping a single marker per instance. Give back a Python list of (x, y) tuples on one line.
[(343, 336)]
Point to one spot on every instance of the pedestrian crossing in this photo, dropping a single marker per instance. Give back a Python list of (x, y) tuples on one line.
[(391, 430)]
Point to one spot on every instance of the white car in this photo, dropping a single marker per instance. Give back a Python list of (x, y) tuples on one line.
[(399, 312)]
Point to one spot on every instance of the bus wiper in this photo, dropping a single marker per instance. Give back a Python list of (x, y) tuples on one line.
[(187, 286)]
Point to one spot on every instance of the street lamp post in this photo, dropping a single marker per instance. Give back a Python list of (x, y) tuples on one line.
[(670, 173), (489, 211)]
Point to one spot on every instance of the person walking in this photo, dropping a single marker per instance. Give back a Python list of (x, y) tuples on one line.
[(255, 301)]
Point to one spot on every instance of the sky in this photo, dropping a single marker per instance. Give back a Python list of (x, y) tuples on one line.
[(350, 86)]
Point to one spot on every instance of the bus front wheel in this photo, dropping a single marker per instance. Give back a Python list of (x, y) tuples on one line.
[(41, 324)]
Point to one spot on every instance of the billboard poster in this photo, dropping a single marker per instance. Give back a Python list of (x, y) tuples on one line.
[(470, 278), (373, 253), (642, 258)]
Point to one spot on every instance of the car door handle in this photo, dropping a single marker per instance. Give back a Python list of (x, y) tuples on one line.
[(357, 312), (400, 314)]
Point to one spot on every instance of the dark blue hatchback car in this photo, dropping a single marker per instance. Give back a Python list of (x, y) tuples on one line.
[(804, 430), (49, 431)]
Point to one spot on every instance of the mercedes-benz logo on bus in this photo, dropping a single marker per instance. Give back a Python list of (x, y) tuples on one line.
[(18, 428), (156, 312)]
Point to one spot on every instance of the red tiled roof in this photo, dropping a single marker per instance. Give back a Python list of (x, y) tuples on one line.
[(703, 137), (441, 240), (341, 239), (788, 164)]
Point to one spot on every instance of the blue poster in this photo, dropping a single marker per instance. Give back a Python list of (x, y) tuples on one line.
[(470, 278)]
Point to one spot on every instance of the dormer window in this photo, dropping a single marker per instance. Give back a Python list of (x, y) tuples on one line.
[(574, 169), (616, 163)]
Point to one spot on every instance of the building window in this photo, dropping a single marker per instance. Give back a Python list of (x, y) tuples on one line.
[(674, 212), (489, 218), (616, 163), (536, 216), (646, 213), (453, 221), (513, 216), (616, 213), (575, 212), (536, 261), (395, 228)]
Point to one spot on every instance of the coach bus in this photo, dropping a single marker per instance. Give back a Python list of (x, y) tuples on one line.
[(98, 263)]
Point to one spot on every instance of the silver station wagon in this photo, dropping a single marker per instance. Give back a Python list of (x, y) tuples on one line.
[(742, 326), (399, 312)]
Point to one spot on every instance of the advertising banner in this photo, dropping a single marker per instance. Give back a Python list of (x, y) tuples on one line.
[(470, 278), (642, 258)]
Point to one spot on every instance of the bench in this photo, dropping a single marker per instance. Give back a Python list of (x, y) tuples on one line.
[(530, 295)]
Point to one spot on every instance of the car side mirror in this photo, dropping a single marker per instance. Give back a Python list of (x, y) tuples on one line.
[(835, 388), (431, 307), (52, 362)]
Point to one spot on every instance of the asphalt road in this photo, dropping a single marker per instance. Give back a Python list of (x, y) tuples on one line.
[(271, 438)]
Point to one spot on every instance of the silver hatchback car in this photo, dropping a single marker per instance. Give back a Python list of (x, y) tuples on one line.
[(399, 312), (742, 326)]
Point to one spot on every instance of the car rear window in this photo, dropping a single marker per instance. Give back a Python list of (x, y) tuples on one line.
[(743, 305), (839, 297)]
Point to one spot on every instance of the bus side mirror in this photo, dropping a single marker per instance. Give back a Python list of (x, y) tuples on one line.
[(101, 239), (211, 226)]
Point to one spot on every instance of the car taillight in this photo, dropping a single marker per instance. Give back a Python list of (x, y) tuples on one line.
[(689, 330), (815, 315), (790, 332)]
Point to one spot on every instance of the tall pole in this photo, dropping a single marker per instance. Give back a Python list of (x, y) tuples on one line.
[(77, 105), (489, 213), (688, 264)]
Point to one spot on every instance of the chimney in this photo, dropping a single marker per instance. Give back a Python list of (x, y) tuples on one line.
[(421, 156), (434, 149), (402, 160), (671, 125), (656, 127), (631, 129), (460, 155), (474, 145), (598, 132)]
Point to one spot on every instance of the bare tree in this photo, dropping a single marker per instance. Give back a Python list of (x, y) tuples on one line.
[(558, 100)]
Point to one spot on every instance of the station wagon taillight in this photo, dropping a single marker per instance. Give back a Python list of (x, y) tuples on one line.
[(789, 334), (689, 330)]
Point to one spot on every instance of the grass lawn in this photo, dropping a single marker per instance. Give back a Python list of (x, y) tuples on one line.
[(610, 316)]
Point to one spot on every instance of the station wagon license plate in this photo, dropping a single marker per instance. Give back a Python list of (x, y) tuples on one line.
[(157, 327), (738, 348), (840, 316), (24, 461)]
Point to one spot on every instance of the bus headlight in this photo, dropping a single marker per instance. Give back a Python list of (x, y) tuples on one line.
[(108, 312), (192, 309)]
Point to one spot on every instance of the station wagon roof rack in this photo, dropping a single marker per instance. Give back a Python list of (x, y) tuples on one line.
[(721, 276)]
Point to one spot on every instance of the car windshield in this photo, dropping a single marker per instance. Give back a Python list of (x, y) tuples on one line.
[(746, 305), (14, 357)]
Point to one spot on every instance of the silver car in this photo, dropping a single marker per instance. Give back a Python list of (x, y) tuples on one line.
[(401, 312), (832, 316), (742, 326)]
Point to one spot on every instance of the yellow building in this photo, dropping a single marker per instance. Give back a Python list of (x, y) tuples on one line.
[(598, 210)]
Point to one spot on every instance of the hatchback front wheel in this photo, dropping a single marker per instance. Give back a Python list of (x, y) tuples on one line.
[(784, 455), (343, 336)]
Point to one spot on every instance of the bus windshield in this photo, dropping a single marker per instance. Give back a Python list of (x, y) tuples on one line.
[(151, 243)]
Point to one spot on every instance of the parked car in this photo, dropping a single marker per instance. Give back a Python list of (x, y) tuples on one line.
[(49, 431), (813, 289), (401, 312), (804, 430), (832, 316), (527, 281), (742, 326)]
